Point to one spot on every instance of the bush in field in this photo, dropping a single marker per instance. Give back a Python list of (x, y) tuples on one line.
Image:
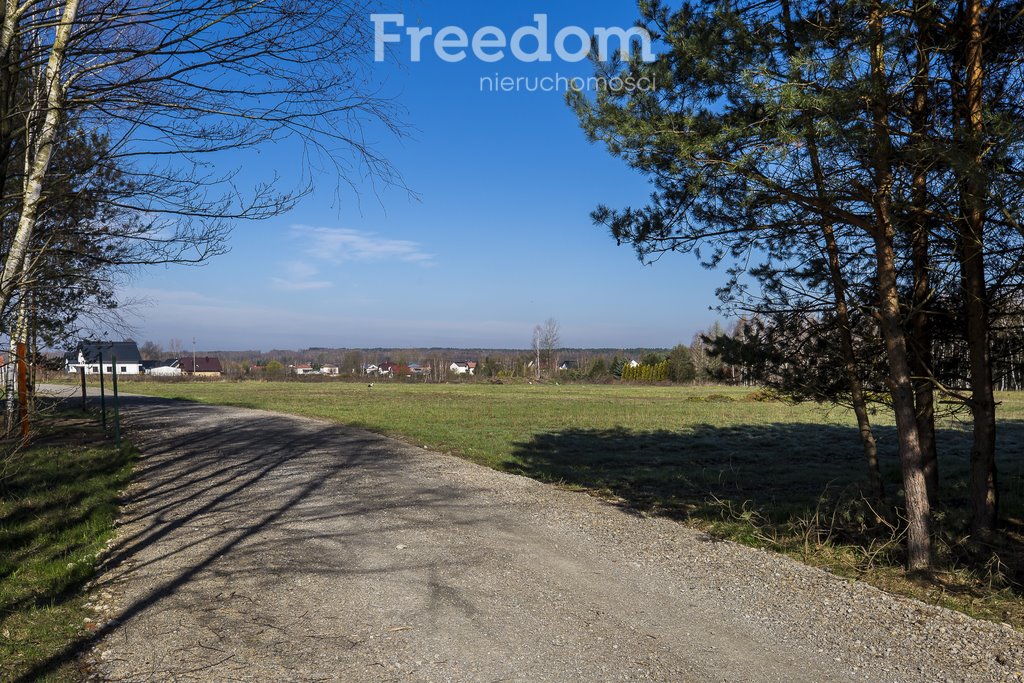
[(646, 373)]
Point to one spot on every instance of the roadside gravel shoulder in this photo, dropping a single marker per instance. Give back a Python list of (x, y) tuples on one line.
[(856, 626)]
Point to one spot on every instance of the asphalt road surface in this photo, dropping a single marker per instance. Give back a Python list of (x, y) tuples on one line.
[(256, 546)]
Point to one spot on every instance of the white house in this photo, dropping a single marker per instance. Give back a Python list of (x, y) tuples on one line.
[(329, 369), (87, 356), (463, 367)]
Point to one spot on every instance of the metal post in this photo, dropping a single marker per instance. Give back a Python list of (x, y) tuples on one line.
[(117, 412), (103, 395), (81, 371)]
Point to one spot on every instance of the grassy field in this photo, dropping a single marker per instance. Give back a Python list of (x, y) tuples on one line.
[(58, 501), (766, 473)]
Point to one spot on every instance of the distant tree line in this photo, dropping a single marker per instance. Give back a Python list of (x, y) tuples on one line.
[(697, 362)]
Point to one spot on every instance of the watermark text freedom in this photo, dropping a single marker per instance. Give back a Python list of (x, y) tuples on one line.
[(527, 43)]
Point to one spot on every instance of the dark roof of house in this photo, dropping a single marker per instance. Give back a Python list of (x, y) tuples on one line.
[(124, 351), (202, 364)]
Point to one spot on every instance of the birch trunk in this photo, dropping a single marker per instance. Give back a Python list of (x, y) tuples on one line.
[(17, 337), (38, 155)]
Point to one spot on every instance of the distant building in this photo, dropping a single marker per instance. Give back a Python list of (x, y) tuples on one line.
[(389, 368), (170, 367), (87, 355), (304, 369), (203, 366), (329, 369), (463, 367), (569, 365)]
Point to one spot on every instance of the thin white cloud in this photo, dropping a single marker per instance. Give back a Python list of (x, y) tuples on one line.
[(300, 269), (283, 285), (345, 244), (298, 277)]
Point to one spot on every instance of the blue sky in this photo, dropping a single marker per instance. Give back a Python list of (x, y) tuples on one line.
[(497, 239)]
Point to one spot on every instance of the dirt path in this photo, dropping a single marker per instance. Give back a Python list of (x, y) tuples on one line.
[(257, 547)]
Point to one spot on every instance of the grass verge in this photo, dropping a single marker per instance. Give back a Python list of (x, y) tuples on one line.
[(58, 503)]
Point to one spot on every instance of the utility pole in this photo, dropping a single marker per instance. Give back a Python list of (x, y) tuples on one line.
[(193, 356)]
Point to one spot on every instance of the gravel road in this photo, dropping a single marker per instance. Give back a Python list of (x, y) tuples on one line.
[(256, 546)]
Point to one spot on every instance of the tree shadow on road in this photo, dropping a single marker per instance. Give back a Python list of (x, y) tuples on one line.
[(772, 485), (191, 491)]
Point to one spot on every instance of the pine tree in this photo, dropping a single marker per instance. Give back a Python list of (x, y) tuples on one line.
[(814, 134)]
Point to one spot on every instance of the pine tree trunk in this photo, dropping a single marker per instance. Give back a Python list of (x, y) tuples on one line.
[(919, 541), (867, 439), (920, 327), (860, 408), (983, 486)]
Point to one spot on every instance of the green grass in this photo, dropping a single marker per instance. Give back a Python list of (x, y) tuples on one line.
[(768, 474), (487, 423), (58, 502)]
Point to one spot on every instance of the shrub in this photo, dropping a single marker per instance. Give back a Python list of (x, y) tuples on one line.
[(762, 395)]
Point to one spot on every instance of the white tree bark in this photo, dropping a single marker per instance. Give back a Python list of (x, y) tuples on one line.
[(538, 334), (8, 29), (39, 151)]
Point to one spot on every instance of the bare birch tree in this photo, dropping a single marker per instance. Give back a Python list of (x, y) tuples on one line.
[(538, 345), (550, 340), (174, 85)]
